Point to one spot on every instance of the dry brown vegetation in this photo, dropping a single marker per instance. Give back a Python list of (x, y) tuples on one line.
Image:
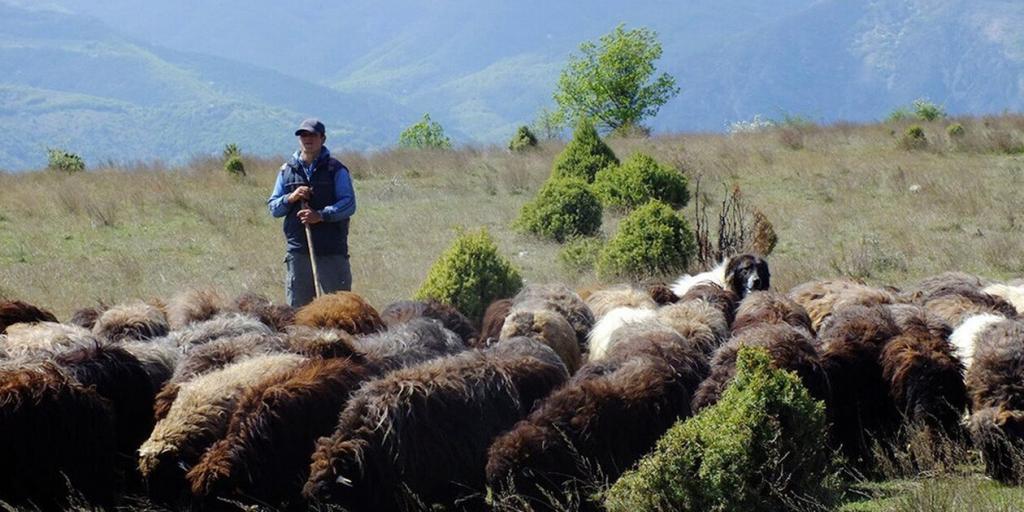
[(844, 200)]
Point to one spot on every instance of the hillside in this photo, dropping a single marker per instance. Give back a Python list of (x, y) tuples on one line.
[(483, 69), (77, 84)]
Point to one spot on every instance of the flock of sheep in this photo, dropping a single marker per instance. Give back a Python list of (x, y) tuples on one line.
[(199, 398)]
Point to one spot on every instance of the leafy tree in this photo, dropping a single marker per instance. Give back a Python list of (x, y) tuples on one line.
[(424, 134), (585, 154), (550, 123), (613, 80)]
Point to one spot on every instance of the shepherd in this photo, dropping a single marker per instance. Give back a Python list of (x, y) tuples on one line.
[(314, 194)]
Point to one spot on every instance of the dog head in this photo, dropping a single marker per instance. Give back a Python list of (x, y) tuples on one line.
[(746, 273)]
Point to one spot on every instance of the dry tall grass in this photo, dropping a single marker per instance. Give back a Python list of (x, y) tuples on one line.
[(843, 199)]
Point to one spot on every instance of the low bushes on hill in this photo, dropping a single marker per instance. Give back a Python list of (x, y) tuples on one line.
[(638, 180), (761, 448), (653, 240), (470, 275), (523, 139)]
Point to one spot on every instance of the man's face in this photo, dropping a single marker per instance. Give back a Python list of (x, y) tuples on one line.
[(311, 142)]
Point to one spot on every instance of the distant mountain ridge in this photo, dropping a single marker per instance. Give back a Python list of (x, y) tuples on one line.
[(75, 83), (481, 68)]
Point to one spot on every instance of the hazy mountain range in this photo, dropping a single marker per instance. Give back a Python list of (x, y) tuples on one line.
[(136, 80)]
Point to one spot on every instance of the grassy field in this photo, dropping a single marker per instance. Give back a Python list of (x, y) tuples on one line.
[(845, 200)]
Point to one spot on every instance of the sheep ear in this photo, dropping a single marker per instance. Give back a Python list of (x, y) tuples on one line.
[(344, 481)]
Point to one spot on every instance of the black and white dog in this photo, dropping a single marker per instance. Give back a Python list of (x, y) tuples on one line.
[(742, 274)]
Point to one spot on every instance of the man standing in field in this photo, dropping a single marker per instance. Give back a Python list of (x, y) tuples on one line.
[(314, 191)]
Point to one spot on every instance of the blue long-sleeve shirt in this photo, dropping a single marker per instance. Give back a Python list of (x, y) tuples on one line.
[(343, 208)]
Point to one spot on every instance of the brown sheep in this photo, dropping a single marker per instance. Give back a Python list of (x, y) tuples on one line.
[(55, 432), (661, 294), (45, 339), (724, 300), (926, 382), (341, 310), (946, 283), (851, 342), (540, 322), (697, 321), (86, 317), (603, 301), (494, 320), (191, 306), (121, 378), (954, 308), (765, 307), (221, 326), (265, 453), (602, 421), (16, 311), (276, 316), (410, 343), (198, 417), (213, 356), (422, 433), (790, 348), (821, 298), (320, 343), (453, 320), (135, 321), (994, 383), (914, 319), (563, 301)]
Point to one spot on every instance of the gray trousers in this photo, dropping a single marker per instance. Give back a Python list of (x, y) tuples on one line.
[(333, 269)]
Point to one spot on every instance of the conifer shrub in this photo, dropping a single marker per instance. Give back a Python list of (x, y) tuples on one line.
[(914, 138), (563, 208), (579, 255), (523, 139), (585, 154), (761, 448), (470, 275), (955, 130), (61, 160), (651, 241), (234, 166), (638, 180)]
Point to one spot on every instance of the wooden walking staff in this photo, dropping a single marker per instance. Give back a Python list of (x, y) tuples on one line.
[(312, 255)]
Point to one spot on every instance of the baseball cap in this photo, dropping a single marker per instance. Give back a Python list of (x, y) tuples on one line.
[(312, 125)]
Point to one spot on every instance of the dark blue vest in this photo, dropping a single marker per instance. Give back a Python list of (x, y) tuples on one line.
[(328, 237)]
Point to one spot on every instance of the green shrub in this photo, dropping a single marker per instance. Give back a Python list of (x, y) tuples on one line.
[(563, 208), (585, 154), (470, 275), (60, 160), (955, 130), (653, 240), (760, 448), (899, 114), (580, 254), (638, 180), (234, 166), (928, 111), (231, 150), (523, 139), (426, 134), (914, 138)]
